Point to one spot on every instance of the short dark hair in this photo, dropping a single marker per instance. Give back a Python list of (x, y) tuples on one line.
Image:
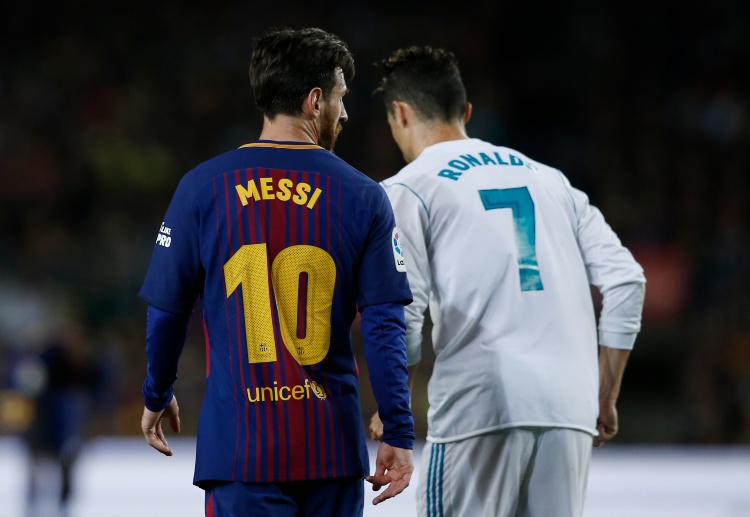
[(427, 79), (286, 64)]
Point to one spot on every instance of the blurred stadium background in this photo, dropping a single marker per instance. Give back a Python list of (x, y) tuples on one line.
[(105, 105)]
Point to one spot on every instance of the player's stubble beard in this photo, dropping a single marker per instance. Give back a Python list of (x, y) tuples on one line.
[(329, 130)]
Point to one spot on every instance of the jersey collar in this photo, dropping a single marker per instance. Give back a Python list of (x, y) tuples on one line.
[(281, 145)]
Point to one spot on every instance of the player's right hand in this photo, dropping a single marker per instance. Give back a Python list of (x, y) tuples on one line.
[(393, 467), (151, 426), (606, 423), (376, 427)]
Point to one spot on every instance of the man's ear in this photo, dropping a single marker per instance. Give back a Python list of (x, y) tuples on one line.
[(467, 112), (403, 114), (311, 104)]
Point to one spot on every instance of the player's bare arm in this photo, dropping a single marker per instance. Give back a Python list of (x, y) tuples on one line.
[(152, 428), (612, 363)]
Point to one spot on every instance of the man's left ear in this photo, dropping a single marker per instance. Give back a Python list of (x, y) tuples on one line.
[(467, 112)]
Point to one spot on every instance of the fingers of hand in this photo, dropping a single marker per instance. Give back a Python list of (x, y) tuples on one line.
[(376, 427), (378, 481), (375, 485), (154, 435), (396, 480), (605, 434), (160, 434), (395, 488), (174, 423), (158, 443)]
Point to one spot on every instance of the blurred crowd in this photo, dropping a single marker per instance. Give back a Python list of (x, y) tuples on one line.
[(104, 106)]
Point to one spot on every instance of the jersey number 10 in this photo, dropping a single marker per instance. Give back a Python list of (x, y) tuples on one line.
[(524, 225), (249, 268)]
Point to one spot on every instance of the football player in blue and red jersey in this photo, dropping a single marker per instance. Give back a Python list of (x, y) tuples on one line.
[(283, 242)]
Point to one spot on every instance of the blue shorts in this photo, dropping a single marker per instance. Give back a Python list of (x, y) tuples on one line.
[(335, 497)]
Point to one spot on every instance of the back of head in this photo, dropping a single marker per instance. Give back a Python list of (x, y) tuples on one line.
[(427, 79), (286, 64)]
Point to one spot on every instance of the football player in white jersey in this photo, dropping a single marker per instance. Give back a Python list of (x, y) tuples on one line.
[(503, 250)]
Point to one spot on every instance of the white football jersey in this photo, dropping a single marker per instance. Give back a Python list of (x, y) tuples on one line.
[(503, 250)]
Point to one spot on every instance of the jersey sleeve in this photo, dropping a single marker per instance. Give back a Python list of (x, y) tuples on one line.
[(165, 337), (413, 222), (175, 275), (383, 329), (382, 272), (612, 269)]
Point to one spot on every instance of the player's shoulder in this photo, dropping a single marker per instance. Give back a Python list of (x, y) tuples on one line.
[(463, 154), (349, 176), (345, 172), (504, 155), (206, 170)]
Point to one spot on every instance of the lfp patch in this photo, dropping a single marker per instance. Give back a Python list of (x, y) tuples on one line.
[(398, 251)]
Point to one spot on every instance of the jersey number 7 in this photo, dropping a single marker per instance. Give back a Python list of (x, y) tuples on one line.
[(524, 225), (304, 313)]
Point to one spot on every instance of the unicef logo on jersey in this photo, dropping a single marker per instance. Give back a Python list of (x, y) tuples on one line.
[(398, 251)]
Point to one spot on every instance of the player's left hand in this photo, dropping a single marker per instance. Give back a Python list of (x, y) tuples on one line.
[(393, 467), (376, 427), (151, 426)]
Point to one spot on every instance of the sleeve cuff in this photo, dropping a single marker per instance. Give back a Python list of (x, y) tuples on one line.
[(403, 442), (156, 403), (617, 340), (413, 347)]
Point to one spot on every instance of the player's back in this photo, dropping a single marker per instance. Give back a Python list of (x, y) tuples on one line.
[(514, 328), (281, 235)]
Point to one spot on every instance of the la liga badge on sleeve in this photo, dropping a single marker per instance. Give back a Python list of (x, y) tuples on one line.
[(398, 251)]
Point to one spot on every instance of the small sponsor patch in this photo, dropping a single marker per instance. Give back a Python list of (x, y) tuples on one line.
[(318, 390), (165, 236), (398, 251)]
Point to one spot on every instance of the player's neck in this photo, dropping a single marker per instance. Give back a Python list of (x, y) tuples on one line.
[(284, 128), (435, 133)]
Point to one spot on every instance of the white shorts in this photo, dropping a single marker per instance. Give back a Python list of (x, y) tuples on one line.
[(518, 472)]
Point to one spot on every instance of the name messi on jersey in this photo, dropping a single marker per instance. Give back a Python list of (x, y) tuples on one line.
[(283, 189)]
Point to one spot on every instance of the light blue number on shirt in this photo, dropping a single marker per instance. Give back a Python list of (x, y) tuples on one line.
[(520, 202)]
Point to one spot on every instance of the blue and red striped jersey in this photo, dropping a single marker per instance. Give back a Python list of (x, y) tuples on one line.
[(282, 242)]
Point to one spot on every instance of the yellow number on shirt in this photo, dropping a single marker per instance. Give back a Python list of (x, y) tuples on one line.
[(287, 268), (249, 268)]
